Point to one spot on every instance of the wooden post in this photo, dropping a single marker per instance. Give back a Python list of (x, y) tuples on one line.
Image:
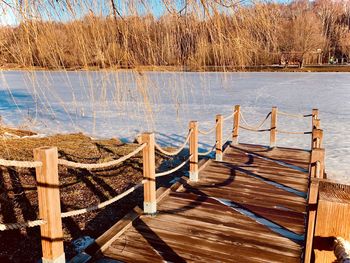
[(194, 151), (218, 152), (315, 113), (273, 129), (316, 124), (49, 205), (236, 118), (149, 173), (317, 137), (333, 212), (312, 208), (317, 156)]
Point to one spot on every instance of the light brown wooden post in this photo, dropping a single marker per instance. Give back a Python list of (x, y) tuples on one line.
[(236, 118), (49, 205), (317, 137), (315, 113), (333, 212), (317, 155), (273, 129), (312, 208), (316, 124), (149, 173), (218, 152), (194, 151)]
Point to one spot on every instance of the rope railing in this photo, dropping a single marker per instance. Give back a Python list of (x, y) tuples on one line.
[(20, 164), (292, 132), (207, 152), (300, 116), (13, 226), (203, 132), (176, 152), (103, 204), (256, 127), (229, 116), (90, 166), (175, 168), (252, 129)]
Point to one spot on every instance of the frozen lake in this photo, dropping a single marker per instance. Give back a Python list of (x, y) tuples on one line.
[(123, 104)]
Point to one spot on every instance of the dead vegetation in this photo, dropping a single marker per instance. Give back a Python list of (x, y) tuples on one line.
[(194, 34)]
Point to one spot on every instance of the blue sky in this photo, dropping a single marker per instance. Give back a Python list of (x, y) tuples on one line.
[(8, 18)]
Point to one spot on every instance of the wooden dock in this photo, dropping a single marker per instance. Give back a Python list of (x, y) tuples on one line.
[(251, 207), (251, 203)]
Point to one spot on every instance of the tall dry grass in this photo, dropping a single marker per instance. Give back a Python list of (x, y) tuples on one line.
[(189, 34), (196, 35)]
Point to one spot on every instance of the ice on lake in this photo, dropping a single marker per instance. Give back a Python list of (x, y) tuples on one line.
[(124, 104)]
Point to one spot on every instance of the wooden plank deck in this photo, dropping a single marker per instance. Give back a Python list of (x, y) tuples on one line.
[(249, 208)]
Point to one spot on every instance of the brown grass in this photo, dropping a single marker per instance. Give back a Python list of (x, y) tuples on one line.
[(201, 35), (78, 189)]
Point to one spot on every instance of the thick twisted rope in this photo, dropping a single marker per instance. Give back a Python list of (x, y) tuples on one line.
[(300, 116), (292, 132), (230, 116), (207, 152), (208, 131), (159, 148), (13, 226), (252, 129), (103, 204), (342, 250), (257, 127), (22, 164), (174, 169), (90, 166)]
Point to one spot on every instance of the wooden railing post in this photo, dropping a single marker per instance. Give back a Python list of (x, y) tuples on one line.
[(149, 173), (312, 208), (236, 118), (219, 124), (316, 124), (317, 165), (49, 205), (194, 151), (315, 119), (273, 128), (317, 138)]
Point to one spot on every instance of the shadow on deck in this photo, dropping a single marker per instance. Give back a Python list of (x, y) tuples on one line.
[(251, 207)]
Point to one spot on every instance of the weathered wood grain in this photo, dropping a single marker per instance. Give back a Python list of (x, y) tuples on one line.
[(194, 224)]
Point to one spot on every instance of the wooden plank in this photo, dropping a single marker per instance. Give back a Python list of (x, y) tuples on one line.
[(264, 180), (199, 243), (107, 238), (140, 243), (190, 218), (227, 235), (288, 223)]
